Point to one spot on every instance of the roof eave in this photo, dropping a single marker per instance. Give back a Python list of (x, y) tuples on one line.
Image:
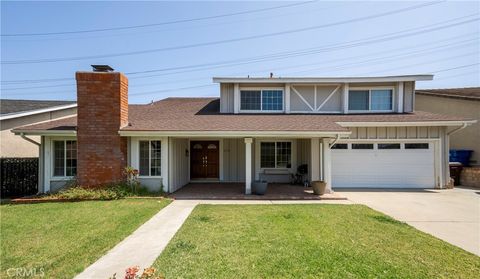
[(406, 123), (323, 79), (225, 134), (45, 132)]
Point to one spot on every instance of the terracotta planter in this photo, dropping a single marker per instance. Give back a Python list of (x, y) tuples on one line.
[(319, 187)]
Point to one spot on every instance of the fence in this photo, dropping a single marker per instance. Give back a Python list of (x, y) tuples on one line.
[(18, 177)]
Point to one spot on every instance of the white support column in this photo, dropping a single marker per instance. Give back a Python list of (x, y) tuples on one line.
[(315, 159), (165, 163), (236, 98), (248, 166), (327, 164), (400, 97), (345, 97), (287, 98)]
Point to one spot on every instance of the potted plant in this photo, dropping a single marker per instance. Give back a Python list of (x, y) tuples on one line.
[(319, 187), (259, 187)]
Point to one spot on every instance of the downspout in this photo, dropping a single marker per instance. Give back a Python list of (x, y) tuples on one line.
[(22, 135), (448, 134), (457, 129), (29, 139), (335, 141)]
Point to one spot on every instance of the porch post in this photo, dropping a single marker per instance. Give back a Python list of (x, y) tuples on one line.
[(327, 164), (248, 166), (315, 159)]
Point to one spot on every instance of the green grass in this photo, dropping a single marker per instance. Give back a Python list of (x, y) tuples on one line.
[(307, 241), (64, 238)]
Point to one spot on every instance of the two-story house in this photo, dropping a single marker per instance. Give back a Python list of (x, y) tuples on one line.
[(350, 131)]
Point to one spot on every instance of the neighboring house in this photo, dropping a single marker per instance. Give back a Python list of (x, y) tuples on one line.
[(463, 102), (351, 132), (16, 113)]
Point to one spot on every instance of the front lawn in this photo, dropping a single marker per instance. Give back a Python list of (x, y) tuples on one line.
[(305, 241), (62, 239)]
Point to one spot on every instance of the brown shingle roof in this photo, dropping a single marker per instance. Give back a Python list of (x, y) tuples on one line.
[(8, 106), (202, 114), (469, 93)]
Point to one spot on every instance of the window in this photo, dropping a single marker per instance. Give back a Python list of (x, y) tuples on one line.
[(150, 158), (370, 100), (362, 145), (358, 100), (381, 100), (261, 100), (272, 100), (276, 154), (389, 146), (340, 146), (250, 100), (64, 158), (416, 145)]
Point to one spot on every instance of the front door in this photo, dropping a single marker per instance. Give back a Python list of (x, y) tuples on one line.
[(204, 159)]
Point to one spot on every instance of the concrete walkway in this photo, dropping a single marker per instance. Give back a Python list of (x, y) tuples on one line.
[(451, 215), (144, 245)]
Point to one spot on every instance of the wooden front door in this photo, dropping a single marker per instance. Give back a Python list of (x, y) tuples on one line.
[(204, 159)]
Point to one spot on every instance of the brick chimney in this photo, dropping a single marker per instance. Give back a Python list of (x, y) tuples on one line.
[(102, 99)]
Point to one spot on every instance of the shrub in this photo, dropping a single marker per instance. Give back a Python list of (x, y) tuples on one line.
[(109, 192)]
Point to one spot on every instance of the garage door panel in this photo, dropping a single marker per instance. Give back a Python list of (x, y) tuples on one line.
[(386, 168)]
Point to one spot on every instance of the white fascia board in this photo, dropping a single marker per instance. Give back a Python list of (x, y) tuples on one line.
[(226, 134), (45, 132), (317, 80), (32, 112), (404, 124)]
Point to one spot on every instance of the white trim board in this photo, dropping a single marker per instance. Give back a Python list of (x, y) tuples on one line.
[(38, 111)]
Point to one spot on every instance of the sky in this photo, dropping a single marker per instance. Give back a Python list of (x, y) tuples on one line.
[(174, 48)]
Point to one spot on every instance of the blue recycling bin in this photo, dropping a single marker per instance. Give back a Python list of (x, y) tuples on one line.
[(461, 156)]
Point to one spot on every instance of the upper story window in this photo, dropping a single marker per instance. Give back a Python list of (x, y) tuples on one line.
[(150, 158), (261, 100), (370, 100), (64, 158)]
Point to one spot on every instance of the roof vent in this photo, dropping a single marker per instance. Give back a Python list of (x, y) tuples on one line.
[(102, 68)]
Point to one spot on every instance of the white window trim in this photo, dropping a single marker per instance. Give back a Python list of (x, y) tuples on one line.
[(370, 88), (52, 159), (261, 89), (150, 158), (275, 141)]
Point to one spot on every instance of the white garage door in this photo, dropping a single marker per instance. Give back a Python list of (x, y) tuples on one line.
[(383, 165)]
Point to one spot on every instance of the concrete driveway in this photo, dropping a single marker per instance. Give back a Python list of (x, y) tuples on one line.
[(451, 215)]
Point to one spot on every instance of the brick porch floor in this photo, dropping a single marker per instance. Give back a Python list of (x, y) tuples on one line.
[(235, 191)]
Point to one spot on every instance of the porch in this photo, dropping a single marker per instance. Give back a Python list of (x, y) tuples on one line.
[(236, 191), (227, 166)]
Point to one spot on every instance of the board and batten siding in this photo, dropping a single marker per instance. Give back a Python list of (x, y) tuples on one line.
[(395, 132), (408, 96), (179, 166), (226, 98), (234, 160)]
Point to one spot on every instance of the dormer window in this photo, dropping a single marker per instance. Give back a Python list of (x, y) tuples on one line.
[(261, 100), (375, 100)]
